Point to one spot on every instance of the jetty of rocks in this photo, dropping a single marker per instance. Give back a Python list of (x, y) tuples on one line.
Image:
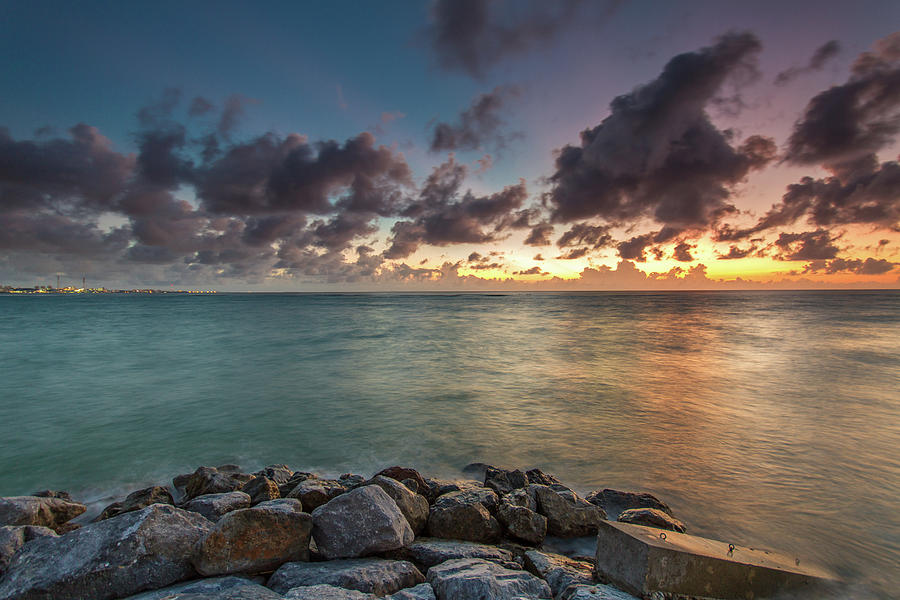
[(277, 534)]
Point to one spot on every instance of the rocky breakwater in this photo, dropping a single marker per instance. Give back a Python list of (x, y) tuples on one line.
[(220, 534)]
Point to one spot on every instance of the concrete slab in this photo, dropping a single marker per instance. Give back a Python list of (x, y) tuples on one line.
[(643, 560)]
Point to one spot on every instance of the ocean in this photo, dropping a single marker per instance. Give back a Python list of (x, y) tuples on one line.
[(767, 419)]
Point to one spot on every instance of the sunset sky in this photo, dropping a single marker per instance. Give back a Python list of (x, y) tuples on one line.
[(456, 144)]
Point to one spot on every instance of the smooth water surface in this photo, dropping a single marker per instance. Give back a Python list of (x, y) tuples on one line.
[(766, 419)]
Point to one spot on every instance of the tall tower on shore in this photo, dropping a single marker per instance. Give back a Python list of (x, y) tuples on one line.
[(57, 281), (82, 282)]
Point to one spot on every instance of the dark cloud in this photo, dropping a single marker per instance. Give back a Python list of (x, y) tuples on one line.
[(479, 126), (658, 154), (573, 254), (538, 257), (853, 120), (539, 235), (532, 271), (817, 61), (636, 247), (200, 106), (682, 252), (869, 266), (232, 113), (735, 252), (473, 35), (443, 217), (809, 245), (582, 234)]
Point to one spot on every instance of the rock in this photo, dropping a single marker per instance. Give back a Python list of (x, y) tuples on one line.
[(261, 489), (520, 497), (288, 504), (427, 552), (361, 522), (326, 592), (213, 506), (464, 516), (372, 575), (503, 481), (594, 591), (413, 486), (423, 591), (477, 470), (229, 469), (439, 487), (413, 506), (141, 550), (521, 521), (136, 501), (351, 481), (475, 578), (39, 511), (13, 537), (567, 514), (316, 492), (651, 517), (614, 501), (538, 477), (179, 482), (297, 478), (53, 494), (253, 540), (401, 473), (558, 571), (217, 588), (67, 527), (278, 473), (209, 480)]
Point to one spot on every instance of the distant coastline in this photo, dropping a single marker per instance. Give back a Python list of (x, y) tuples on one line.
[(72, 290)]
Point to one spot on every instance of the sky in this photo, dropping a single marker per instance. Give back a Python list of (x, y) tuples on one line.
[(450, 145)]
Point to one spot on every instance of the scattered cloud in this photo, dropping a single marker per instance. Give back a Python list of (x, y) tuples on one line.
[(817, 61), (479, 126)]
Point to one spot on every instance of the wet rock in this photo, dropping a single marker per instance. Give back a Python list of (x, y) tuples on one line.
[(427, 552), (651, 517), (297, 478), (287, 504), (371, 575), (413, 486), (213, 506), (13, 537), (209, 480), (538, 477), (503, 481), (278, 473), (439, 487), (261, 489), (615, 501), (136, 501), (361, 522), (216, 588), (518, 514), (351, 481), (413, 506), (594, 591), (53, 494), (401, 473), (313, 493), (558, 571), (39, 511), (141, 550), (475, 578), (326, 592), (568, 515), (179, 482), (465, 515), (423, 591), (253, 540), (67, 527)]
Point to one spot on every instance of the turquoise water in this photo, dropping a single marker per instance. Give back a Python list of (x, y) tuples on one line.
[(766, 419)]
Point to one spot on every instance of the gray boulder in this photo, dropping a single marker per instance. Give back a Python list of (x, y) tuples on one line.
[(278, 473), (559, 571), (361, 522), (503, 481), (216, 588), (295, 479), (38, 511), (402, 473), (288, 504), (651, 517), (213, 506), (351, 481), (371, 575), (413, 506), (475, 578), (568, 515), (538, 477), (261, 489), (423, 591), (614, 502), (465, 515), (136, 501), (141, 550), (439, 487), (522, 523), (13, 537), (253, 540), (326, 592), (427, 552), (210, 480), (594, 591), (313, 493)]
